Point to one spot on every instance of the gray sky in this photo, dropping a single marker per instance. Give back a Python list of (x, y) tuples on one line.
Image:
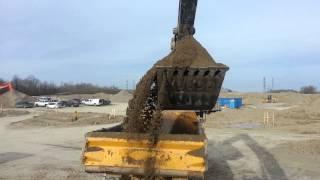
[(110, 41)]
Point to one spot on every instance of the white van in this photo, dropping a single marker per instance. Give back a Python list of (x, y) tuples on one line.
[(92, 102)]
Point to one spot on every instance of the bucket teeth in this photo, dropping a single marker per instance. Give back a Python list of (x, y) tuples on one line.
[(189, 88)]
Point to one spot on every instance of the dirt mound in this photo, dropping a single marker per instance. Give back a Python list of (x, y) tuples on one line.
[(9, 99), (188, 53), (11, 113), (83, 96), (313, 108), (307, 109), (287, 98), (63, 119), (293, 98), (122, 97)]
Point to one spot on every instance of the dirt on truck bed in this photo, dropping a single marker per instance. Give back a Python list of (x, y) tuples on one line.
[(188, 53)]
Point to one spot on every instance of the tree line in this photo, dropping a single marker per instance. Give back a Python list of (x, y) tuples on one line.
[(310, 89), (35, 87)]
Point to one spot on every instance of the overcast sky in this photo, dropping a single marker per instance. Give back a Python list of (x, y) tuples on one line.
[(110, 41)]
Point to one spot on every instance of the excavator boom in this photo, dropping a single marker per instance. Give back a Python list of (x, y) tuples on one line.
[(186, 18), (187, 15)]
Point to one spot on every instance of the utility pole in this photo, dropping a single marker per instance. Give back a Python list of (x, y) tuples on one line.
[(127, 85), (264, 84), (272, 84)]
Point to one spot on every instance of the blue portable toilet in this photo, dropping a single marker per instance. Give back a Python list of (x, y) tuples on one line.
[(232, 103)]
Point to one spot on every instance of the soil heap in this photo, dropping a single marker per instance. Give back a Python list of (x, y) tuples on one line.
[(122, 97), (9, 99), (188, 53)]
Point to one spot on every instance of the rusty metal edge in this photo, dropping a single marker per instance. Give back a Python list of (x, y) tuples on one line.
[(217, 66), (138, 136), (135, 171)]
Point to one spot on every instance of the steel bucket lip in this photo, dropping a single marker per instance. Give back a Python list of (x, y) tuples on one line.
[(217, 66)]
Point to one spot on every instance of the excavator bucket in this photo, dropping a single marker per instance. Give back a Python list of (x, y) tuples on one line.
[(189, 88)]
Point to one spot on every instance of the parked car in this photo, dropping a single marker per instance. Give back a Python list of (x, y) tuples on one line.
[(106, 102), (63, 103), (92, 102), (83, 101), (54, 105), (73, 103), (70, 103), (44, 98), (41, 103), (24, 104), (77, 100)]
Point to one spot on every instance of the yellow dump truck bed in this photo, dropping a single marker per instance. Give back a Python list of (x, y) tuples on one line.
[(132, 154)]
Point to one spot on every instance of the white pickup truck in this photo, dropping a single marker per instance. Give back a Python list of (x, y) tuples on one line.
[(92, 102), (42, 102)]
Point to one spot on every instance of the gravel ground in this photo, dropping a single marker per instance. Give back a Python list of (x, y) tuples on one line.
[(54, 153), (234, 152)]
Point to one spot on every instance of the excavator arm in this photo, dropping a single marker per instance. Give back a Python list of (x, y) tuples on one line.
[(186, 18), (187, 15)]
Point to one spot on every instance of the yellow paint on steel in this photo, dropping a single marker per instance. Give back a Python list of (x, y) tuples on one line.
[(176, 155)]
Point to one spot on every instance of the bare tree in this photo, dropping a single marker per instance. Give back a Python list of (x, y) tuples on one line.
[(308, 89), (33, 86), (1, 81)]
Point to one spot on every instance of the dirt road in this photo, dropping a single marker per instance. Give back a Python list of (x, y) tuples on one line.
[(115, 108), (54, 153), (262, 154)]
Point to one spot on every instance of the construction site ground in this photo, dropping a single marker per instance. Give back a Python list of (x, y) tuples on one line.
[(240, 144)]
